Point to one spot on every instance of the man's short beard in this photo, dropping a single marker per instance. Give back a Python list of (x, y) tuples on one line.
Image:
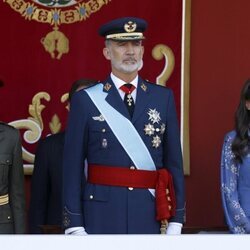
[(128, 68)]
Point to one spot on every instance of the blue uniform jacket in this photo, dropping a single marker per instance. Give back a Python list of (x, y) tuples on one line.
[(46, 184), (109, 209)]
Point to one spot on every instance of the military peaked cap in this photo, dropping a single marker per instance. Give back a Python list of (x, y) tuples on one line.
[(126, 28)]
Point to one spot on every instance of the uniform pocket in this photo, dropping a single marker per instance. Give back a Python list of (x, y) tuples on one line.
[(5, 164), (5, 214), (102, 135)]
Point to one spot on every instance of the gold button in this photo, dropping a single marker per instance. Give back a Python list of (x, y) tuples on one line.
[(130, 188), (103, 130), (8, 217), (168, 198), (91, 197), (132, 167)]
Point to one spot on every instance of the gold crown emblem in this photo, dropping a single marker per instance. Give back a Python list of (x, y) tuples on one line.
[(130, 26)]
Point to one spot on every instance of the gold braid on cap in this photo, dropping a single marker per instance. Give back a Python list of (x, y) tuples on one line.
[(126, 36)]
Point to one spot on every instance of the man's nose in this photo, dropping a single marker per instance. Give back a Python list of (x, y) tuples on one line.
[(130, 48)]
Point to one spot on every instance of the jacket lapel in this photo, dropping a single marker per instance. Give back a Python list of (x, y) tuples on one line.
[(142, 99), (114, 99)]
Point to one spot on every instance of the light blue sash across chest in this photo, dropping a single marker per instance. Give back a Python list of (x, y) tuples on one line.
[(130, 140)]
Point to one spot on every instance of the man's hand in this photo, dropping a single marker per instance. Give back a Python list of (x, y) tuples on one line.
[(174, 228), (76, 231)]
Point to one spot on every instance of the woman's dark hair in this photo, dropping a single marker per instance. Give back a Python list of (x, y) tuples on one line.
[(242, 122)]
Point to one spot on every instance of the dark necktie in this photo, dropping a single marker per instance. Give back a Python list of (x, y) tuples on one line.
[(128, 99)]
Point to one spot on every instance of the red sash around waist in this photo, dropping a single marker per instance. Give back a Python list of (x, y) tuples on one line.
[(160, 180)]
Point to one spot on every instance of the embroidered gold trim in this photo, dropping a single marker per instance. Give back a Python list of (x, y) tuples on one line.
[(126, 36), (4, 199)]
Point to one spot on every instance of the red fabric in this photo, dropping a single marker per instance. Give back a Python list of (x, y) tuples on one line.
[(164, 208), (160, 180), (127, 90), (26, 68)]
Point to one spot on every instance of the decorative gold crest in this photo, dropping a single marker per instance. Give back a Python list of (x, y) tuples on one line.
[(130, 26), (56, 41), (107, 86), (56, 12)]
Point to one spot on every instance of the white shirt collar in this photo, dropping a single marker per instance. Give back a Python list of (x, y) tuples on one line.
[(118, 82)]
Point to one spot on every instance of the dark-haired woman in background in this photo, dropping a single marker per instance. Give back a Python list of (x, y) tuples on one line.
[(235, 168)]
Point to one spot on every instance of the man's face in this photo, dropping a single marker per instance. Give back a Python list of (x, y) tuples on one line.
[(125, 56)]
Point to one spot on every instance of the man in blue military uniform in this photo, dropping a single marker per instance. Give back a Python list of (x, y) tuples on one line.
[(128, 131)]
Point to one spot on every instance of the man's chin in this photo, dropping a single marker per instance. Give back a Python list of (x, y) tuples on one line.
[(130, 69)]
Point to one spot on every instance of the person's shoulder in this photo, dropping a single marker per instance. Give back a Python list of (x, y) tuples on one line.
[(162, 92), (82, 92), (229, 136), (54, 138), (87, 87), (6, 125), (10, 132), (8, 128), (82, 89), (157, 87)]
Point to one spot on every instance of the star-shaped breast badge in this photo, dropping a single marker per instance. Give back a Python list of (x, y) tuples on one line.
[(156, 141), (154, 116), (149, 129)]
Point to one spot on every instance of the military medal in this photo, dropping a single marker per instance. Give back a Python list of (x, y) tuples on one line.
[(99, 118), (154, 116), (104, 143), (129, 99), (149, 129), (156, 141), (154, 130)]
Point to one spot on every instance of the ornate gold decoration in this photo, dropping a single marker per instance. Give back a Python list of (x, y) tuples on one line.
[(164, 226), (31, 136), (56, 12), (64, 98), (34, 127), (55, 124), (36, 108), (158, 52), (56, 41)]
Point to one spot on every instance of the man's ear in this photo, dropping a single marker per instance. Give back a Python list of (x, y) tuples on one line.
[(106, 53), (142, 48)]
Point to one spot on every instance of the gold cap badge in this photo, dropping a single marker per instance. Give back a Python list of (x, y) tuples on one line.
[(130, 26)]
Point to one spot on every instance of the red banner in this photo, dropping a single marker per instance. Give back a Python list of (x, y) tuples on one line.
[(46, 45)]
